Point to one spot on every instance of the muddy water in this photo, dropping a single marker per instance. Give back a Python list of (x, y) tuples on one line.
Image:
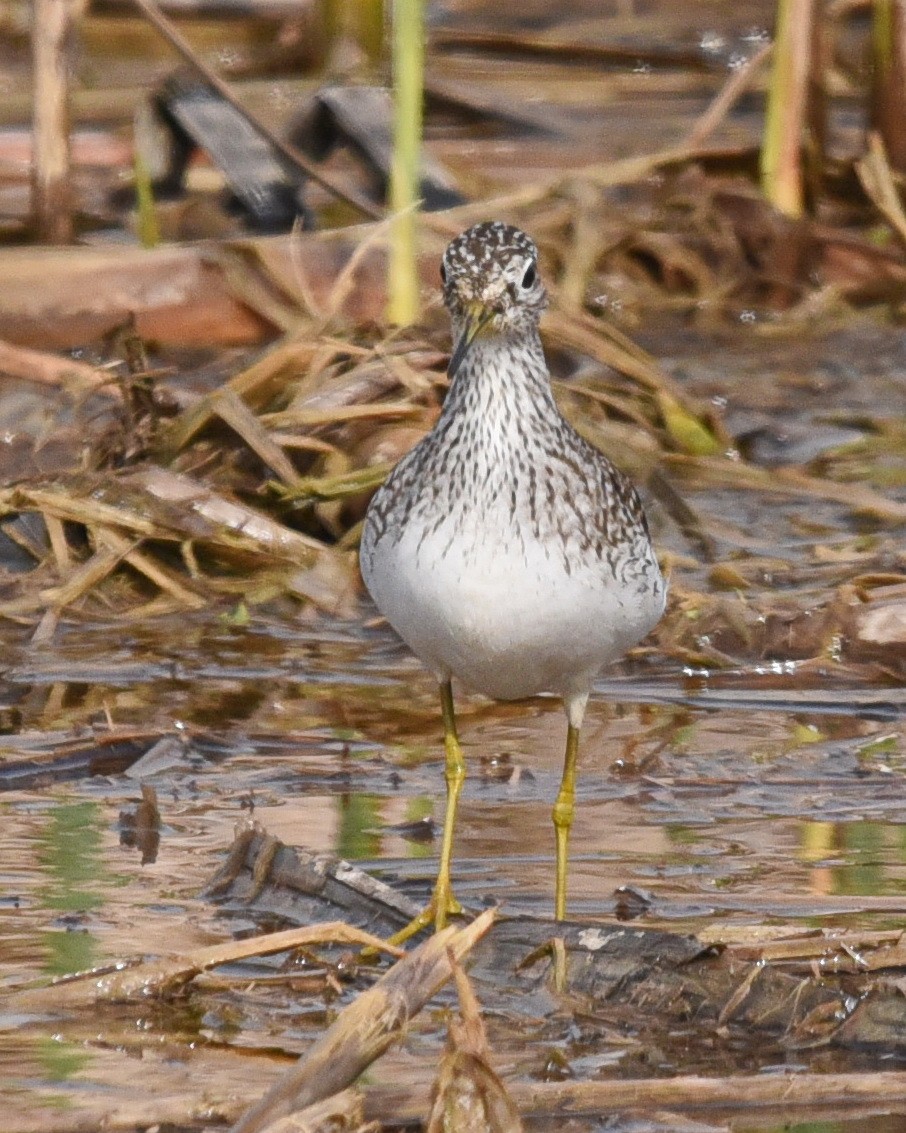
[(769, 794), (726, 801), (327, 736)]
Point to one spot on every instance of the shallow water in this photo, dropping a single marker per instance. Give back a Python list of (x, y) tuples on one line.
[(330, 735), (726, 800), (764, 795), (327, 735)]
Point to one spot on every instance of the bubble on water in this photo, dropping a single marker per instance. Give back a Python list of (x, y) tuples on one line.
[(757, 36), (279, 97), (607, 303), (712, 42)]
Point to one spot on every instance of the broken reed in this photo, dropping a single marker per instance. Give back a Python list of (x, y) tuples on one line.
[(51, 190)]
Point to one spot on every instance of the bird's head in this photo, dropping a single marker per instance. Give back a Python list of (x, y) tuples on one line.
[(491, 286)]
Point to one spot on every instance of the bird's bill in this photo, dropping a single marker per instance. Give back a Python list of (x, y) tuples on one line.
[(477, 318)]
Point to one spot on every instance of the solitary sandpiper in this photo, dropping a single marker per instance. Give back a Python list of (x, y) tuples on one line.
[(505, 550)]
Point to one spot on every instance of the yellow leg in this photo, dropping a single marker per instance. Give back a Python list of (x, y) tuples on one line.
[(443, 904), (563, 817)]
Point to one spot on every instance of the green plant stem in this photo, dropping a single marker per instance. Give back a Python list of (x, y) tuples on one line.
[(148, 228), (405, 174), (781, 150), (888, 101)]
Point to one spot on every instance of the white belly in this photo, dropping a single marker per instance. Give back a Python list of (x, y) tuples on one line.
[(507, 617)]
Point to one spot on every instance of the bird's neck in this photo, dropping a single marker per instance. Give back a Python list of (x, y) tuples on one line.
[(500, 377)]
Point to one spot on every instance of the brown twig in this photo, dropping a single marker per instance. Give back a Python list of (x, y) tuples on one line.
[(729, 93), (876, 177), (50, 369), (145, 979)]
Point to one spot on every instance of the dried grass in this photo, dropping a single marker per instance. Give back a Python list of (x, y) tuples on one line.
[(257, 488)]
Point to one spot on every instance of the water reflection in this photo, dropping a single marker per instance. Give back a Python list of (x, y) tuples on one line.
[(879, 1123), (358, 834), (70, 855), (855, 858), (330, 740), (60, 1060)]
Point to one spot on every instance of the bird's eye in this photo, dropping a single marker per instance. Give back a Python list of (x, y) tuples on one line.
[(528, 280), (443, 272)]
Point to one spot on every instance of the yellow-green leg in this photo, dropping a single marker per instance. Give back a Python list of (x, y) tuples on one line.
[(443, 904), (563, 817)]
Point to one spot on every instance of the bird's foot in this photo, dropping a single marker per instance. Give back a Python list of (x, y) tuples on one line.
[(558, 959), (555, 949), (439, 909)]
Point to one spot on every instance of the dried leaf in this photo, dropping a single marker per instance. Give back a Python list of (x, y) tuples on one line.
[(468, 1096), (687, 433)]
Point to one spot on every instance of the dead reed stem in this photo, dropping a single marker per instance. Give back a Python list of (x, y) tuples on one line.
[(51, 193), (685, 1092)]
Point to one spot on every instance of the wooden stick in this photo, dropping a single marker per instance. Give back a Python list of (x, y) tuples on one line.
[(889, 78), (367, 1027), (787, 109), (53, 370), (51, 192), (408, 1101)]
